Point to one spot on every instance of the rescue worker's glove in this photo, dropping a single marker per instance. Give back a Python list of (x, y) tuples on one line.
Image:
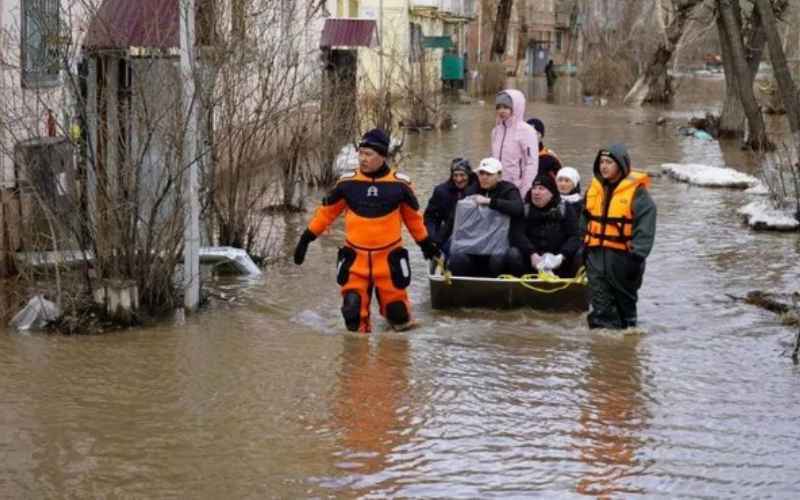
[(302, 246), (430, 250)]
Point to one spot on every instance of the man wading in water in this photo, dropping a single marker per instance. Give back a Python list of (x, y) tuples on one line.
[(376, 200), (619, 222)]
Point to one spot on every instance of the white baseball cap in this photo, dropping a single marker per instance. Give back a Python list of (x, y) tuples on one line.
[(490, 166)]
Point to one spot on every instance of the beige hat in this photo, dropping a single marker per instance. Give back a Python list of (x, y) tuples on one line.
[(490, 166)]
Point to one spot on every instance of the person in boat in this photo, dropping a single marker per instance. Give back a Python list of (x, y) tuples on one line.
[(548, 160), (514, 142), (497, 194), (442, 204), (546, 238), (619, 224), (376, 200), (568, 181)]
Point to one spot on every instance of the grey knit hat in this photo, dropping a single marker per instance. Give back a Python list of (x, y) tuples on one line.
[(503, 99)]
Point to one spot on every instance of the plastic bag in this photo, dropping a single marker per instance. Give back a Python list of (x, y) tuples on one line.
[(479, 230), (35, 315)]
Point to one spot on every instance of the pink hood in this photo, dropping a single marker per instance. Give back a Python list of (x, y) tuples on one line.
[(516, 145)]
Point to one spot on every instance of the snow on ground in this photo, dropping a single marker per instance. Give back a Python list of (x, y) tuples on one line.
[(346, 161), (759, 189), (760, 214), (708, 176)]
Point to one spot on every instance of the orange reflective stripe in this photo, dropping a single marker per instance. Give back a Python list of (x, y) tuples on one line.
[(614, 228)]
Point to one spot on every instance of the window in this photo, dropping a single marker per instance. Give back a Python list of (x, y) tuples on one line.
[(558, 40), (353, 8), (40, 43)]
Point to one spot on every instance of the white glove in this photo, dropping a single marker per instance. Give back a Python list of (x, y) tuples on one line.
[(550, 262)]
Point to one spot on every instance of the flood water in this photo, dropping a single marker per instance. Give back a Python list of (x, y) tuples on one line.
[(268, 398)]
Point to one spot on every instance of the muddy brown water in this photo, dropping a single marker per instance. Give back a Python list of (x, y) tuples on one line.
[(268, 398)]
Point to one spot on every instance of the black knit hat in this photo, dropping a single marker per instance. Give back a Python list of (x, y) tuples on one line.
[(538, 125), (546, 180), (376, 140), (460, 165)]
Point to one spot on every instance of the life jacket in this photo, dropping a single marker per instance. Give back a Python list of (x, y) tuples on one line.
[(611, 223)]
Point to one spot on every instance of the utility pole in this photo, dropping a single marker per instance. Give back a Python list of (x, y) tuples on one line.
[(191, 201), (380, 42)]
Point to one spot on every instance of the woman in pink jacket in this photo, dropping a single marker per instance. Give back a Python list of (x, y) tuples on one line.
[(514, 142)]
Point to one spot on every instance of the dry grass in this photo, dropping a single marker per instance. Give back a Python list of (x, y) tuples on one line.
[(607, 76)]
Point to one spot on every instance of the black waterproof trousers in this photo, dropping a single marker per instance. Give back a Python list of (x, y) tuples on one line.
[(614, 280)]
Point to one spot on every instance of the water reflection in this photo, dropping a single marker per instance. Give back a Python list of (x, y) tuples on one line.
[(613, 420), (370, 409)]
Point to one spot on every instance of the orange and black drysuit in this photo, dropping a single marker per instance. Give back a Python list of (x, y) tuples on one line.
[(373, 257)]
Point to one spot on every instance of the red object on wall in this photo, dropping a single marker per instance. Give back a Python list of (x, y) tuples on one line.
[(50, 124)]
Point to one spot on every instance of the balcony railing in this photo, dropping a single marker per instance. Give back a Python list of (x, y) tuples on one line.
[(463, 8)]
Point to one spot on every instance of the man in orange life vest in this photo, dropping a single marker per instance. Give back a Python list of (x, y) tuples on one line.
[(376, 200), (619, 223)]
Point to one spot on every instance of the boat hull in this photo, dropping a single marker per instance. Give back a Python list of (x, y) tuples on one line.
[(495, 293)]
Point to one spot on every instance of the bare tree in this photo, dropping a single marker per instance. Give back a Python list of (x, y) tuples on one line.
[(654, 85), (266, 138), (731, 38), (786, 85), (501, 25), (732, 118)]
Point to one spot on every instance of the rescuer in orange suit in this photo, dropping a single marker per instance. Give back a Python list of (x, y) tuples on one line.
[(376, 200)]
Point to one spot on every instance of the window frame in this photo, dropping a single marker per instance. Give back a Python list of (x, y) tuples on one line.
[(45, 74)]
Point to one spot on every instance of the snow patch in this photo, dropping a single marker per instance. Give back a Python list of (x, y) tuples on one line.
[(708, 176), (760, 214), (346, 161), (759, 189)]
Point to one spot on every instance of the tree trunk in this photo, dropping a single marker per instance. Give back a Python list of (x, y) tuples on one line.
[(655, 84), (743, 74), (732, 118), (502, 20), (786, 85)]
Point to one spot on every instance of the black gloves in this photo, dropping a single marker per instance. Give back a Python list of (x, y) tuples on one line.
[(302, 246), (429, 248)]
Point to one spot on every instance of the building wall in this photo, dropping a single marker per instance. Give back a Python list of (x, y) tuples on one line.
[(23, 111)]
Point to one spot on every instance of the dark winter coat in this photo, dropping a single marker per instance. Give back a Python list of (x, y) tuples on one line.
[(551, 229), (442, 206)]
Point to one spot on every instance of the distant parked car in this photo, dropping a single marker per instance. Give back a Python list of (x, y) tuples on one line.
[(713, 62)]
